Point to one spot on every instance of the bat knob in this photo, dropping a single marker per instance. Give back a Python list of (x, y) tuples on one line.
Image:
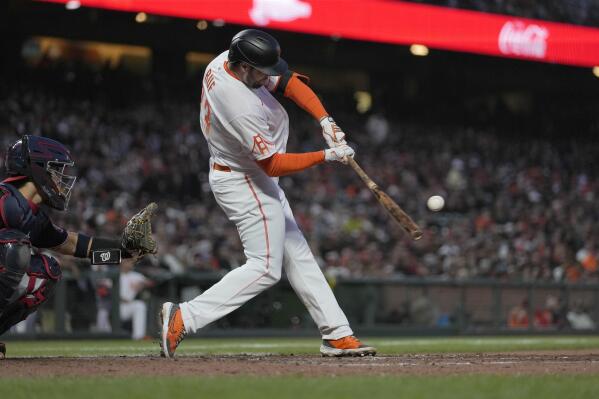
[(416, 235)]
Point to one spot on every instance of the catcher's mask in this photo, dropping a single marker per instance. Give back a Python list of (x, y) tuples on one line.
[(45, 162), (258, 49)]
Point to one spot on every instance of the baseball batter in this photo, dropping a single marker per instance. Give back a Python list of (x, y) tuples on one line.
[(247, 131)]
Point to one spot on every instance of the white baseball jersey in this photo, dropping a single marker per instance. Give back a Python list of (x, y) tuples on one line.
[(131, 309), (130, 283), (241, 124)]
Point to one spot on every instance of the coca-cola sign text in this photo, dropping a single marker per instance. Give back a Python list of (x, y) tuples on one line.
[(526, 40)]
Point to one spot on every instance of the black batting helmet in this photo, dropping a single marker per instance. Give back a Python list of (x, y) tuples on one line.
[(44, 161), (258, 49)]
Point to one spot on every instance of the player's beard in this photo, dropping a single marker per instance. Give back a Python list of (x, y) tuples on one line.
[(258, 84)]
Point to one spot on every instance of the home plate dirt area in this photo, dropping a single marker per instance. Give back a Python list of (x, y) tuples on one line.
[(513, 363)]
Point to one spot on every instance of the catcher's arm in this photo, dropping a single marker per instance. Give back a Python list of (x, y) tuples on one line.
[(136, 241)]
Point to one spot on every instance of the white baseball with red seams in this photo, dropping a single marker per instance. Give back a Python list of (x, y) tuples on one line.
[(435, 203), (242, 125)]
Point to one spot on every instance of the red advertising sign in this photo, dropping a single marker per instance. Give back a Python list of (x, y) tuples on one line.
[(391, 22)]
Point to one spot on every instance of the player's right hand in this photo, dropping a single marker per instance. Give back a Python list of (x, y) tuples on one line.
[(339, 153), (332, 133)]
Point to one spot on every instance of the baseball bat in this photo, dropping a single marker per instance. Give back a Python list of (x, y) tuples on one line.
[(391, 206)]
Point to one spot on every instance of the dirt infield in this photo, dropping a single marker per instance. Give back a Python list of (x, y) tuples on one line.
[(541, 362)]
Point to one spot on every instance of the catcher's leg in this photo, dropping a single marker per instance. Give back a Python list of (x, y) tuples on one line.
[(37, 286), (15, 256), (43, 274), (2, 350)]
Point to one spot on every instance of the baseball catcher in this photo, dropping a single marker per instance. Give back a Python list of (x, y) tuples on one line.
[(37, 176)]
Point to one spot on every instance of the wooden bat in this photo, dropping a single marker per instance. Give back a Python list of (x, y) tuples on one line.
[(391, 206)]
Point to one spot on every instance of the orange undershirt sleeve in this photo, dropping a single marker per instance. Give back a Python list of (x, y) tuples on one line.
[(304, 97), (285, 164)]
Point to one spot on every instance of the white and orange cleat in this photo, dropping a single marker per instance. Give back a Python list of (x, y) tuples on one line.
[(346, 346), (172, 329)]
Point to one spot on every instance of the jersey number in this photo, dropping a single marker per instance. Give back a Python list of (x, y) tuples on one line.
[(205, 121)]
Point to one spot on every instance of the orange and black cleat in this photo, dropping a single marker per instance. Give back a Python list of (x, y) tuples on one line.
[(172, 329), (346, 346)]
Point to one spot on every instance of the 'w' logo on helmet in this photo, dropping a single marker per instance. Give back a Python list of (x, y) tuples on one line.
[(260, 145)]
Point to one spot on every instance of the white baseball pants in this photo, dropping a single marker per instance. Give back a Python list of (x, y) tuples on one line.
[(271, 240), (137, 312)]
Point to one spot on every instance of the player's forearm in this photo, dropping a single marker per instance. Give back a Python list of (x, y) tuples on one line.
[(285, 164), (81, 245), (304, 97), (68, 246)]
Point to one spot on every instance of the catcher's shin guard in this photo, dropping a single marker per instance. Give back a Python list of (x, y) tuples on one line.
[(15, 256), (40, 279)]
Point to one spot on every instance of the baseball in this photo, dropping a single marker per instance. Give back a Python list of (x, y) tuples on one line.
[(435, 203)]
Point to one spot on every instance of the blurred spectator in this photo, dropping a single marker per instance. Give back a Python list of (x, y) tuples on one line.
[(81, 296), (377, 128), (587, 257), (579, 318), (423, 312), (104, 304), (517, 208), (132, 308), (549, 315), (518, 316)]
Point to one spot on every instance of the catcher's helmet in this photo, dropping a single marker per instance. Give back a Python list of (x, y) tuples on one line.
[(258, 49), (43, 160)]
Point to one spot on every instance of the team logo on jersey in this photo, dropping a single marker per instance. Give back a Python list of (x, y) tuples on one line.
[(261, 145)]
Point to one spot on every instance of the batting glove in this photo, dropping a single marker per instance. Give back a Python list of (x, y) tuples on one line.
[(332, 133), (339, 153)]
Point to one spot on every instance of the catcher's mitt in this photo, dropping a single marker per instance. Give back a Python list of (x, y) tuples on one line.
[(137, 236)]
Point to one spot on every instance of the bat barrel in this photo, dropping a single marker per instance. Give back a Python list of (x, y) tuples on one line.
[(391, 206)]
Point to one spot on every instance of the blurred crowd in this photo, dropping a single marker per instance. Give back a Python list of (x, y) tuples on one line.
[(579, 12), (516, 208)]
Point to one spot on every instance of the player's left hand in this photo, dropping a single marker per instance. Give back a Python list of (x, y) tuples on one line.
[(332, 133), (339, 154), (137, 236)]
